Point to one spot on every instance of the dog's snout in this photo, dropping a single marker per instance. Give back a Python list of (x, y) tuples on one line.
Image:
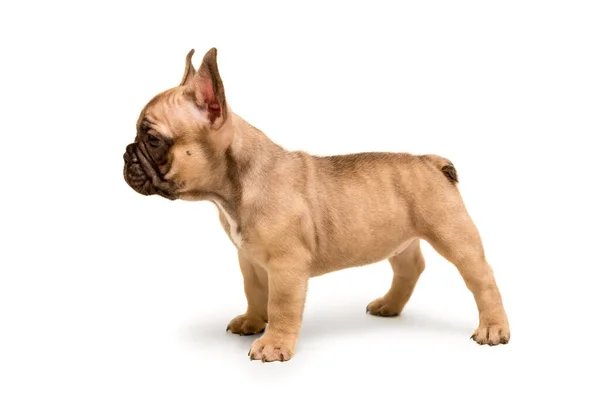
[(130, 155)]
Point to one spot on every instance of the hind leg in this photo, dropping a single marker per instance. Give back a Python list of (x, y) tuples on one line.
[(407, 267), (456, 238)]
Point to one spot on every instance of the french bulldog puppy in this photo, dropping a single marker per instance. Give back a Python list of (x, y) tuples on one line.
[(292, 216)]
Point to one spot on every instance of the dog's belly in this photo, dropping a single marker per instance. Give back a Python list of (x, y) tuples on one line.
[(347, 258), (364, 234)]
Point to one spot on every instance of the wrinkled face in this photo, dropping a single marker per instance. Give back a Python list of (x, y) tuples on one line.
[(147, 160), (180, 136)]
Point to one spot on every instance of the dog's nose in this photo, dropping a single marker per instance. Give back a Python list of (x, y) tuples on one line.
[(129, 155)]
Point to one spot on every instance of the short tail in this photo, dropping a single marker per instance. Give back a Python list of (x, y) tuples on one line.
[(444, 165)]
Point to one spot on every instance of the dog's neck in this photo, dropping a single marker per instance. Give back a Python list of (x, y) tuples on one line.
[(246, 160), (250, 147)]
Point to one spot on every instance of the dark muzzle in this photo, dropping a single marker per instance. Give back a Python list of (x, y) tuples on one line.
[(142, 176)]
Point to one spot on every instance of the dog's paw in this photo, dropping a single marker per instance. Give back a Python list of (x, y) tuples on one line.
[(491, 334), (244, 325), (383, 308), (268, 349)]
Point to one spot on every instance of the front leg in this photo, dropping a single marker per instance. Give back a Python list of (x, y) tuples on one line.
[(288, 284), (256, 287)]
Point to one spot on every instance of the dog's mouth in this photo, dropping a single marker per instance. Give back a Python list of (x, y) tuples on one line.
[(142, 176)]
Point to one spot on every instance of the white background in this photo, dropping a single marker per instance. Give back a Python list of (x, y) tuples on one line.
[(106, 294)]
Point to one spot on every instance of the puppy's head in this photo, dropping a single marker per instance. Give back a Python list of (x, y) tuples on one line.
[(182, 136)]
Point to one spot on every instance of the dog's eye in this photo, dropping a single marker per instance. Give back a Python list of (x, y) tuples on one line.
[(153, 140)]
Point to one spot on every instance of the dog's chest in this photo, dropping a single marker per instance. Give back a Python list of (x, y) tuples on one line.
[(232, 226)]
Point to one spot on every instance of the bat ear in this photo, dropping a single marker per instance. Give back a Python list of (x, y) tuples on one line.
[(190, 71), (208, 89)]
